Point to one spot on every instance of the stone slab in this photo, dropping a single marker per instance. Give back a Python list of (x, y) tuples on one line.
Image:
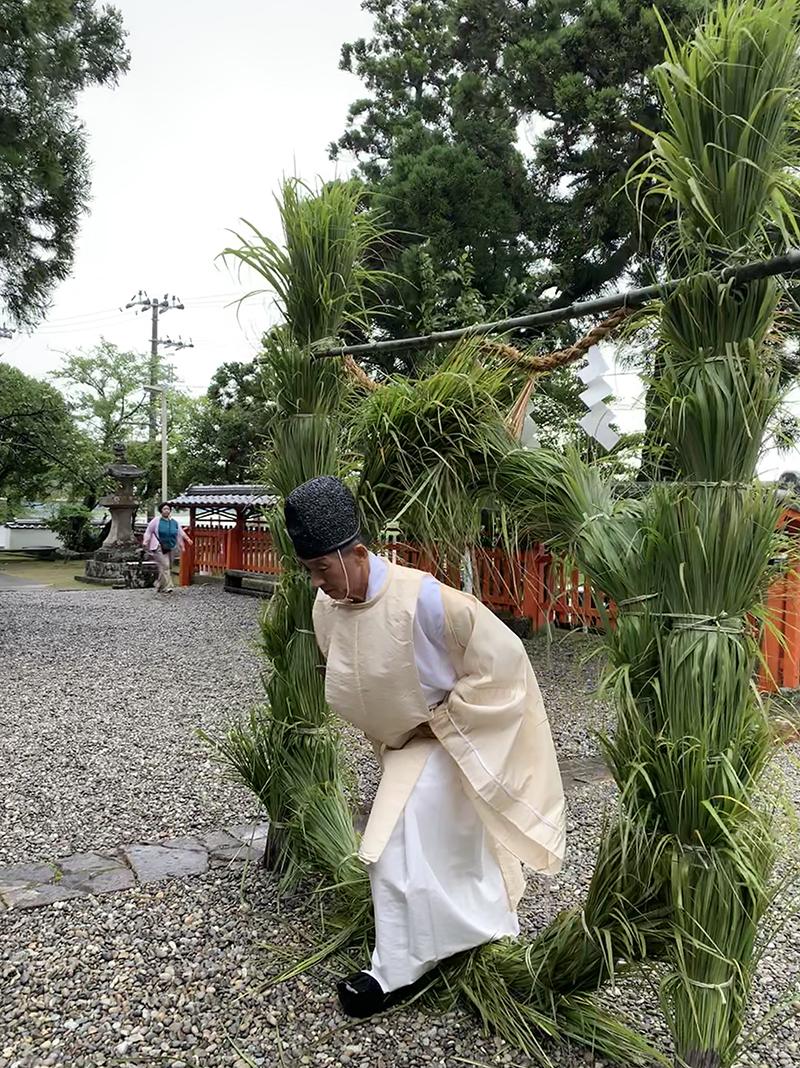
[(176, 857), (95, 873), (234, 855), (224, 850), (19, 876), (583, 770), (214, 840), (31, 897), (250, 833)]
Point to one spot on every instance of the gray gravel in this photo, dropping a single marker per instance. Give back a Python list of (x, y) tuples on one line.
[(101, 694), (173, 974)]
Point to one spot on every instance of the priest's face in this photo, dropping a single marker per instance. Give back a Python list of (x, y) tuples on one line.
[(342, 576)]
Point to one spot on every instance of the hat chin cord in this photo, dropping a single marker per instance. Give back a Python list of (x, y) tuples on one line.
[(347, 598)]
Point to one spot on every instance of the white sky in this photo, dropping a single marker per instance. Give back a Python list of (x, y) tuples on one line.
[(222, 100)]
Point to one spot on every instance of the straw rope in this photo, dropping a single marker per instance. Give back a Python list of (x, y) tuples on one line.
[(537, 365), (359, 375), (561, 357), (540, 365)]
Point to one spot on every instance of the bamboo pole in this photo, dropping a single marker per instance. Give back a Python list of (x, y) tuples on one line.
[(631, 298)]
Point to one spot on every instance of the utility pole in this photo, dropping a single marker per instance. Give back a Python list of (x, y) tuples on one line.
[(6, 333), (157, 308), (162, 388), (153, 391)]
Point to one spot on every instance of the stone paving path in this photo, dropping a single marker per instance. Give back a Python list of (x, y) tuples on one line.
[(25, 886)]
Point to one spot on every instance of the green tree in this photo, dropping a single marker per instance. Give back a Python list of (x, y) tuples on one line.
[(224, 434), (38, 439), (49, 51), (436, 145), (105, 389), (451, 83)]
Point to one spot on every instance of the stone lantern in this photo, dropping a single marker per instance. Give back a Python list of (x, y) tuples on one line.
[(107, 567)]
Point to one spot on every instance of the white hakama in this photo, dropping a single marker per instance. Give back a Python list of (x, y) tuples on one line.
[(437, 887)]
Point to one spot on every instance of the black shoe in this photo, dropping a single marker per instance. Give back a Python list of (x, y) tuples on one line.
[(360, 996)]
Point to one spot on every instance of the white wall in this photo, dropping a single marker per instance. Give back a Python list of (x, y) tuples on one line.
[(25, 538)]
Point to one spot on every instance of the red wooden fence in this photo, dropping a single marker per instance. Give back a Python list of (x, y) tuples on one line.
[(529, 585)]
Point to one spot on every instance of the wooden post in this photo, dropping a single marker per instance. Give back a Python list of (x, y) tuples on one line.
[(791, 626), (187, 553), (769, 678), (533, 566), (233, 543)]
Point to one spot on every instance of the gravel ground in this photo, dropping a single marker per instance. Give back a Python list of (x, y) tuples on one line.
[(173, 974), (101, 695)]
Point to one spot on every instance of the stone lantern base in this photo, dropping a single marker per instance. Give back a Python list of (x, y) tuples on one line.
[(108, 566)]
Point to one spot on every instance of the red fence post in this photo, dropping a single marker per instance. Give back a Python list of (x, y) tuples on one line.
[(770, 675), (533, 566), (791, 631), (233, 546), (187, 553)]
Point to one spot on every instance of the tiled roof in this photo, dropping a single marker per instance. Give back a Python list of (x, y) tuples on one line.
[(224, 496)]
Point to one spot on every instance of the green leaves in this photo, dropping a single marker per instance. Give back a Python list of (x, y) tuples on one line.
[(319, 276), (38, 439), (49, 51), (428, 449)]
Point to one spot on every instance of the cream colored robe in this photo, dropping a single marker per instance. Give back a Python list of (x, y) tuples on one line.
[(493, 723)]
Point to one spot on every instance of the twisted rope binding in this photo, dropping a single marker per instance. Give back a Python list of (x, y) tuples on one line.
[(561, 357), (537, 365), (358, 374)]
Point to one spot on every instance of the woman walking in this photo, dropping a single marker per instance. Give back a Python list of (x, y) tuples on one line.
[(163, 535)]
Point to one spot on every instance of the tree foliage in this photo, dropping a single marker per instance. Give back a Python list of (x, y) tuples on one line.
[(73, 524), (49, 51), (105, 388), (225, 431), (450, 86), (37, 437)]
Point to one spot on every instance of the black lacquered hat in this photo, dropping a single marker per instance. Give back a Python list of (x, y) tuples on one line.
[(321, 517)]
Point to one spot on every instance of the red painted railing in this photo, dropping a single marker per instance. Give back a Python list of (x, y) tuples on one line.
[(529, 585), (209, 551), (259, 554)]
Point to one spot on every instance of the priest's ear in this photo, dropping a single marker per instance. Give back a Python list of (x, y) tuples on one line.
[(359, 549)]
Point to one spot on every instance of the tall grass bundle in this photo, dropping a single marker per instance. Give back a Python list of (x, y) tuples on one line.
[(288, 751), (688, 563), (426, 446)]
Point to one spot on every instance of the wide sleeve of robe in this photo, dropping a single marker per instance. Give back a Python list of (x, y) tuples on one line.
[(495, 727)]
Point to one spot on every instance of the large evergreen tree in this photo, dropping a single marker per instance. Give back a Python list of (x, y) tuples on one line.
[(452, 84)]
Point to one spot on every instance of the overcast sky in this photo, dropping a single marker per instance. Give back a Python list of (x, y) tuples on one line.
[(222, 100)]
